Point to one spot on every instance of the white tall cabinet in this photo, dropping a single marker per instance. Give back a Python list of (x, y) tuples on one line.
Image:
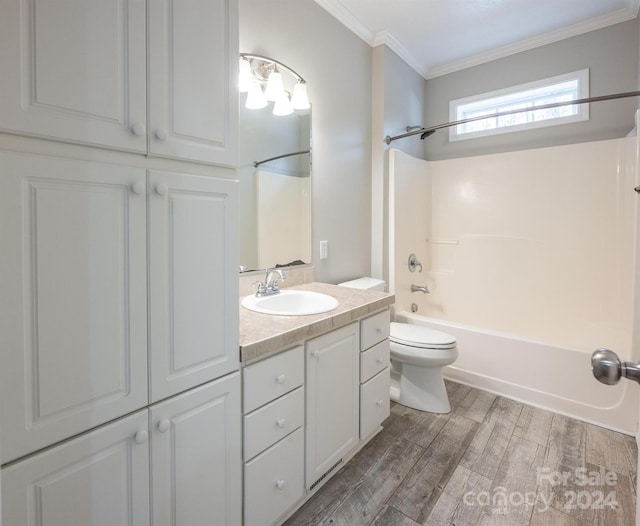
[(119, 382), (76, 71)]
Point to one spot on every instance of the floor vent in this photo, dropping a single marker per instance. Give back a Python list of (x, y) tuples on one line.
[(324, 475)]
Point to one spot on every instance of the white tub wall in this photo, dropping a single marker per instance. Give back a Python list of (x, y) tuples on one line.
[(544, 243), (410, 218), (538, 244)]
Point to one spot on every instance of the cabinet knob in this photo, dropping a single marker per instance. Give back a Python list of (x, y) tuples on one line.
[(315, 354), (161, 189), (280, 484), (378, 330), (281, 422), (137, 188), (379, 403), (137, 128), (141, 437), (161, 135), (281, 378), (163, 426)]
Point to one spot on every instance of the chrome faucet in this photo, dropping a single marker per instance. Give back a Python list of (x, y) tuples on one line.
[(270, 285)]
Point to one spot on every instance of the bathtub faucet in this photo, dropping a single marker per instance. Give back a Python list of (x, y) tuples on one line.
[(416, 288), (608, 369)]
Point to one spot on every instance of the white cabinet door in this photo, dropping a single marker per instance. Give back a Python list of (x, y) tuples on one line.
[(98, 479), (73, 318), (193, 69), (74, 71), (333, 381), (196, 456), (193, 276)]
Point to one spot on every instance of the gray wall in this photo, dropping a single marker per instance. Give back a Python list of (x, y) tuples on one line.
[(337, 67), (400, 103), (403, 102), (611, 54)]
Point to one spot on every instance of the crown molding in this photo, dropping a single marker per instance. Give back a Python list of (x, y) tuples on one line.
[(615, 17), (347, 19), (387, 39)]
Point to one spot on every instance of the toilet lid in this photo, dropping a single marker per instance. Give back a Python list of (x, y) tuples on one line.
[(420, 336)]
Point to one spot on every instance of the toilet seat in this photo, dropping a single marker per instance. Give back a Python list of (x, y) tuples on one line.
[(420, 337)]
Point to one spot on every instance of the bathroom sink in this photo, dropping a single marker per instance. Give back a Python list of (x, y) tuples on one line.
[(291, 303)]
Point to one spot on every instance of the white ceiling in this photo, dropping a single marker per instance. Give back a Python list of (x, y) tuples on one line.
[(436, 37)]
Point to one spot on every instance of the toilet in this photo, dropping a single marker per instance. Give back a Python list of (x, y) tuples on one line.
[(418, 355)]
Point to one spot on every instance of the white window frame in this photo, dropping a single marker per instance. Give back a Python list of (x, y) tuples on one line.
[(496, 99)]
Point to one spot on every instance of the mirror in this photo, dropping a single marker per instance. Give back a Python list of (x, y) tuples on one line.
[(275, 195)]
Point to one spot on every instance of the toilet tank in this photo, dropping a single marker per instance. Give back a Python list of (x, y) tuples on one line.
[(364, 283)]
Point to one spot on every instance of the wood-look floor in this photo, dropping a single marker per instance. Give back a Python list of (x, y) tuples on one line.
[(491, 461)]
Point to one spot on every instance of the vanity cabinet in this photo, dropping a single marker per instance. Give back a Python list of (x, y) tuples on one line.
[(333, 379), (74, 271), (103, 478), (273, 407), (76, 71), (374, 372)]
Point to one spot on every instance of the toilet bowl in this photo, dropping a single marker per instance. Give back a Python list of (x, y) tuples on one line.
[(418, 355)]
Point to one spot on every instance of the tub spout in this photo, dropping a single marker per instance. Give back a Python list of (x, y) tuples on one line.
[(416, 288)]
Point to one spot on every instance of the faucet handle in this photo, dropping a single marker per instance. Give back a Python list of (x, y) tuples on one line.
[(261, 288)]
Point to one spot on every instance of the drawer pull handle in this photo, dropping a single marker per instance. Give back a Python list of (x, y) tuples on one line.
[(379, 403), (141, 437), (161, 189), (281, 378), (163, 426), (380, 361), (281, 422), (378, 330), (280, 484)]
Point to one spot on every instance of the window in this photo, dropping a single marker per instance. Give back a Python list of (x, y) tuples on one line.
[(569, 86)]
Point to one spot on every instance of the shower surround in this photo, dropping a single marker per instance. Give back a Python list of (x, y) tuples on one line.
[(530, 261)]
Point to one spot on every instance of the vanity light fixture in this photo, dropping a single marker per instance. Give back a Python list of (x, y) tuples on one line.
[(257, 71)]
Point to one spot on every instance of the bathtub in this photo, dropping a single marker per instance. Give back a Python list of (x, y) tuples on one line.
[(536, 373)]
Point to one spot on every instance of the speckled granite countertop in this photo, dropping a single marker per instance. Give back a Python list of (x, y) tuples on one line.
[(262, 335)]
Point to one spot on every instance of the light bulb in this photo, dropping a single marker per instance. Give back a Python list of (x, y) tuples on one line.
[(245, 79), (255, 97), (274, 86), (299, 99), (283, 105)]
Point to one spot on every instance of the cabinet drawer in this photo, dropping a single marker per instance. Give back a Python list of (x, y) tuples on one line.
[(274, 480), (265, 426), (273, 377), (374, 403), (373, 360), (374, 329)]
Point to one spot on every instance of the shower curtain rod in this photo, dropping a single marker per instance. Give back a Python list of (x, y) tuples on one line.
[(258, 163), (432, 129)]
